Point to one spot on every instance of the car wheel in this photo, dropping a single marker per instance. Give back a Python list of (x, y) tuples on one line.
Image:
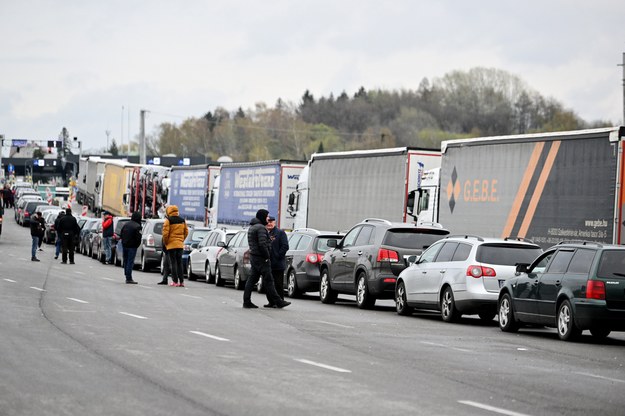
[(238, 285), (364, 299), (144, 264), (326, 294), (218, 280), (260, 288), (162, 263), (118, 261), (292, 290), (567, 330), (207, 272), (449, 313), (401, 301), (190, 274), (506, 315), (600, 333)]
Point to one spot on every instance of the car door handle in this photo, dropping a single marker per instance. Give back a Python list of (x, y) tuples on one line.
[(535, 282), (443, 271), (344, 254), (360, 252), (558, 283)]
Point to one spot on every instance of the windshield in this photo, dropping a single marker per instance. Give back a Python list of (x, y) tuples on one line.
[(507, 254)]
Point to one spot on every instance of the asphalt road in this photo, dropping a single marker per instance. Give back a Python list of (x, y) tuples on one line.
[(76, 340)]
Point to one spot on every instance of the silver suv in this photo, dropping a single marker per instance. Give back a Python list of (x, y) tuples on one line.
[(461, 275)]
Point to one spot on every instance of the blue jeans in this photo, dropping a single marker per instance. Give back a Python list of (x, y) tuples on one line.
[(107, 249), (129, 261), (58, 244), (35, 246)]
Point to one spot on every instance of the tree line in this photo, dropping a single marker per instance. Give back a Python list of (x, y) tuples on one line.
[(461, 104)]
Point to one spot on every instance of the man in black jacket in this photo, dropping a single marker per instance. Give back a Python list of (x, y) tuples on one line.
[(260, 253), (68, 229), (35, 232), (279, 247), (131, 240)]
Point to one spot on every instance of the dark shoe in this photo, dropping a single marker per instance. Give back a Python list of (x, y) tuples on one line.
[(283, 304), (269, 305), (181, 284), (249, 306), (162, 282), (56, 257), (35, 259), (63, 262), (71, 262), (131, 282), (40, 249)]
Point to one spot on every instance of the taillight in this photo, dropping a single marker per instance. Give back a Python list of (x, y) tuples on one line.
[(595, 290), (388, 255), (186, 247), (150, 240), (314, 258), (246, 257), (52, 227), (26, 214), (479, 271)]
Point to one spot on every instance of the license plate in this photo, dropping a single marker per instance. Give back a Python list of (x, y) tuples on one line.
[(501, 283)]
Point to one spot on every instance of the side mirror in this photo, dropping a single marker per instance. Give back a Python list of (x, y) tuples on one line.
[(332, 243), (412, 259), (522, 268), (410, 202), (291, 198), (221, 244), (194, 245)]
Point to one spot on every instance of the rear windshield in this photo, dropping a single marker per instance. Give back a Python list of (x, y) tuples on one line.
[(158, 228), (322, 243), (120, 224), (412, 238), (507, 254), (612, 264)]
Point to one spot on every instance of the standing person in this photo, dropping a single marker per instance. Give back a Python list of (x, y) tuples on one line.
[(175, 231), (260, 253), (279, 247), (58, 241), (107, 237), (42, 229), (68, 229), (35, 232), (131, 239), (166, 269)]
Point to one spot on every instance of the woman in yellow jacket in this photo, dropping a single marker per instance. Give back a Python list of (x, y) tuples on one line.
[(175, 231)]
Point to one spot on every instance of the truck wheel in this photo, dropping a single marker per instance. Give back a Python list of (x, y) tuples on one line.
[(449, 313), (364, 299), (567, 330), (292, 290), (401, 301), (238, 285), (218, 280), (326, 294)]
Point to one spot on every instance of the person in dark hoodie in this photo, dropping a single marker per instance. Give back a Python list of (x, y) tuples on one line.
[(58, 241), (35, 233), (131, 239), (279, 247), (260, 253), (69, 230)]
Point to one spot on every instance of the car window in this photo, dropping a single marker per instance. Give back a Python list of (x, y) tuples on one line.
[(198, 235), (447, 252), (235, 241), (506, 254), (363, 236), (612, 264), (210, 240), (560, 261), (462, 252), (158, 228), (429, 254), (411, 238), (228, 238), (350, 238), (303, 242), (243, 242), (294, 240), (581, 262)]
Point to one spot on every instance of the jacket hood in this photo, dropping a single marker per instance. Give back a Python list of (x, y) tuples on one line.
[(172, 211), (136, 217), (262, 215), (255, 221)]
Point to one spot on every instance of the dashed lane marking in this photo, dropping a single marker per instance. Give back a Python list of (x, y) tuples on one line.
[(445, 346), (38, 288), (78, 300), (77, 272), (601, 377), (133, 315), (11, 281), (109, 279), (321, 365), (210, 336), (491, 408), (333, 324), (191, 296)]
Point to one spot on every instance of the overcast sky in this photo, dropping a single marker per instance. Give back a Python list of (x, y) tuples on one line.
[(75, 64)]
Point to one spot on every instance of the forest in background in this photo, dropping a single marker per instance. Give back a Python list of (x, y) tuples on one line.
[(461, 104)]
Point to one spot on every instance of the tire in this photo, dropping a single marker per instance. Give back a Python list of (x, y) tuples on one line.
[(292, 290), (364, 299), (565, 320), (218, 280), (326, 294), (449, 313), (260, 288), (118, 261), (190, 274), (144, 264), (238, 284), (401, 301), (507, 322), (600, 333), (207, 272)]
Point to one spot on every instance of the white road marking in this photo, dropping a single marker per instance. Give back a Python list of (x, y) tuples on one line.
[(9, 280), (445, 346), (327, 367), (145, 287), (11, 255), (210, 336), (38, 288), (22, 258), (191, 296), (601, 377), (521, 349), (491, 408), (333, 324), (78, 272), (133, 315), (109, 279), (78, 300)]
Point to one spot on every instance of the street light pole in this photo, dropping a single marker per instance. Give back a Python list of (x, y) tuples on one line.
[(623, 65)]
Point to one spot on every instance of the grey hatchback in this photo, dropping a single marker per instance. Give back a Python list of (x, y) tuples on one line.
[(367, 260), (150, 251)]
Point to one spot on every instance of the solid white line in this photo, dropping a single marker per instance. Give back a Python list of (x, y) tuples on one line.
[(209, 336), (327, 367), (333, 324), (601, 377), (78, 300), (491, 408), (38, 288), (133, 315), (12, 281), (191, 296)]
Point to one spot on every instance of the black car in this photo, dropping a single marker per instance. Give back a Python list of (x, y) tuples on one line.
[(572, 287), (368, 259), (306, 249), (233, 262)]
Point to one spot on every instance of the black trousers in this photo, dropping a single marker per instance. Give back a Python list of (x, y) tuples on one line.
[(260, 267), (68, 247), (278, 281), (175, 262)]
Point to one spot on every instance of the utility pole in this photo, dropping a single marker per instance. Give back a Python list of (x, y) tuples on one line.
[(108, 134), (1, 150), (623, 65), (142, 155)]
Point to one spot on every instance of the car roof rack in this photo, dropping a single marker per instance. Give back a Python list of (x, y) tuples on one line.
[(526, 240), (582, 242), (429, 224), (310, 230), (387, 222), (465, 236)]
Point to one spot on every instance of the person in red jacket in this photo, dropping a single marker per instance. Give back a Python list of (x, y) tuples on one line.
[(107, 236)]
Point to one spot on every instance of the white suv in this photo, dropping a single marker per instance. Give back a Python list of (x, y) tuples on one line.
[(461, 275)]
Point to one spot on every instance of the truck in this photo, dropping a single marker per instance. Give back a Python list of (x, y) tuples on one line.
[(340, 189), (246, 187), (545, 187), (90, 175), (190, 188), (148, 190), (116, 188)]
